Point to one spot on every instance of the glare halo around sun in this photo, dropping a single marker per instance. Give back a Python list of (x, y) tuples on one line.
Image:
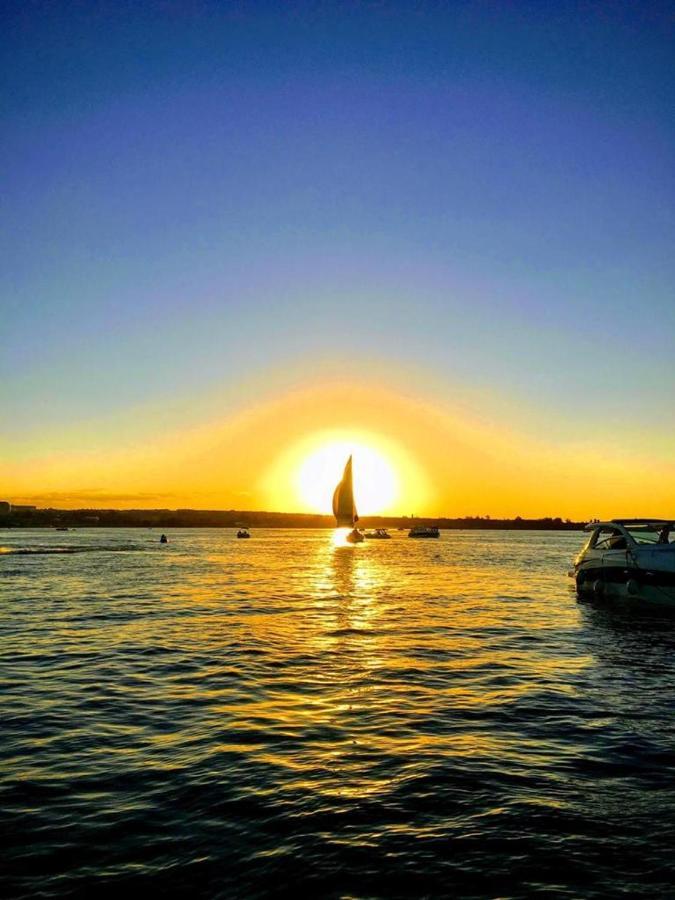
[(388, 479), (376, 484)]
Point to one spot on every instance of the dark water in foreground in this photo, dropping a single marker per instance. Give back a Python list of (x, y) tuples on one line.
[(283, 715)]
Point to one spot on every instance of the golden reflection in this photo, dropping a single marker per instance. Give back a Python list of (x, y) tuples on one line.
[(319, 658), (339, 539), (359, 650)]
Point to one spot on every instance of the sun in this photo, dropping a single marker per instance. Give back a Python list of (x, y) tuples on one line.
[(376, 485), (303, 477)]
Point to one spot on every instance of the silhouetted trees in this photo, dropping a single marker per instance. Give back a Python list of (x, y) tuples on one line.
[(232, 518)]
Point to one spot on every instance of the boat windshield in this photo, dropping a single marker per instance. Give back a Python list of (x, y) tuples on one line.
[(652, 533)]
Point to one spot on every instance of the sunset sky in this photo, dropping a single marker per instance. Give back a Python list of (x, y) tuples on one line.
[(236, 233)]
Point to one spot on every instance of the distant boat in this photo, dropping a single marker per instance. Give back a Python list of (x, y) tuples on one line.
[(344, 508), (243, 533), (378, 534), (164, 539), (62, 528), (422, 531)]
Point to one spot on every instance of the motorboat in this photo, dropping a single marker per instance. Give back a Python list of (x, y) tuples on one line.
[(355, 536), (243, 533), (628, 559), (378, 534), (424, 531)]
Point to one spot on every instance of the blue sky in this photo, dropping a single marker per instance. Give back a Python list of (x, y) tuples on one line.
[(200, 193)]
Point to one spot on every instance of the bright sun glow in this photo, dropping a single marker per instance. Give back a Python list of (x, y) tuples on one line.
[(376, 485), (387, 480)]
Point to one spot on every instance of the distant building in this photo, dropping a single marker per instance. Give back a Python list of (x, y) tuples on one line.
[(5, 508)]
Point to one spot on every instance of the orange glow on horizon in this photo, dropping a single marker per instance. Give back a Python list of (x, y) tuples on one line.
[(417, 457)]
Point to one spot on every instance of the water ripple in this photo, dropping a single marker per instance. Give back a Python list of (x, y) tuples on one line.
[(284, 715)]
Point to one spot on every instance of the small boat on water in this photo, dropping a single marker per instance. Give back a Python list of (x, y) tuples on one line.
[(424, 531), (164, 539), (344, 508), (62, 528), (628, 559), (378, 534), (243, 533)]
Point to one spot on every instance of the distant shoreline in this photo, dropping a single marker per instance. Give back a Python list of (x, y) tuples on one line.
[(194, 518)]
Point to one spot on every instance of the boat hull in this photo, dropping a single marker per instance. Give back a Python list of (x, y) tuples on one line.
[(628, 559), (645, 578)]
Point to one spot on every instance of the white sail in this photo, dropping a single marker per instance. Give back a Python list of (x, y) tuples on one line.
[(344, 508)]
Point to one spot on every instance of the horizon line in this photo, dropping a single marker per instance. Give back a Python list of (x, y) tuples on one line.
[(29, 508)]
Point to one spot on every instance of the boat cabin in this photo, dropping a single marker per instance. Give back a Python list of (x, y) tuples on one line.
[(622, 534)]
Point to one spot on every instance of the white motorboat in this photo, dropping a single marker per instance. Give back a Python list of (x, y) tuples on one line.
[(378, 534), (628, 559)]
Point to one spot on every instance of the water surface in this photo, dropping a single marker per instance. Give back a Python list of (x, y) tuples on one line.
[(400, 718)]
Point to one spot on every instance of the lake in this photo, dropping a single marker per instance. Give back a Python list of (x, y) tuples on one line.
[(288, 714)]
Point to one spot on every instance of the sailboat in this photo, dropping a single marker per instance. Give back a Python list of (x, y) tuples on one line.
[(344, 508)]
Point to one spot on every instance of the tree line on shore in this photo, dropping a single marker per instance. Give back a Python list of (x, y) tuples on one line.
[(232, 518)]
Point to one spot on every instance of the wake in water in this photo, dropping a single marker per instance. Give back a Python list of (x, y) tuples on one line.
[(43, 551)]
